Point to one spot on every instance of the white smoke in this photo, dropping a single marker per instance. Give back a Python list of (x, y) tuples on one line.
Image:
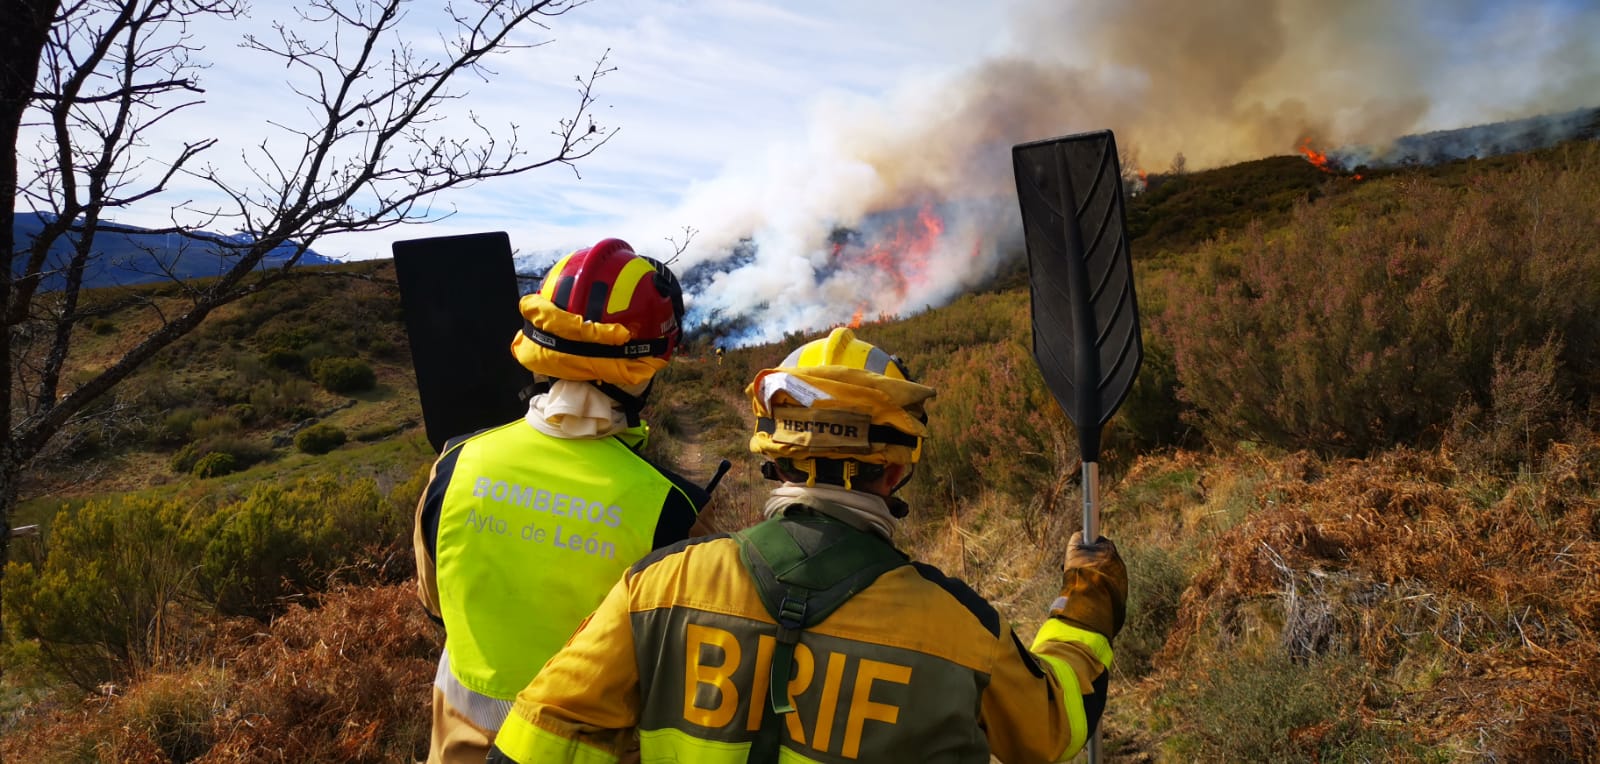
[(1218, 82)]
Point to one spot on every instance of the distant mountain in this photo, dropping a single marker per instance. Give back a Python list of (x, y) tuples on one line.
[(128, 256)]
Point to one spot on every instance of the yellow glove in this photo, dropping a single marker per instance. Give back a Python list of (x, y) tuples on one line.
[(1094, 587)]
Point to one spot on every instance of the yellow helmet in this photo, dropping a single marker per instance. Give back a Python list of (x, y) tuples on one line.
[(838, 398)]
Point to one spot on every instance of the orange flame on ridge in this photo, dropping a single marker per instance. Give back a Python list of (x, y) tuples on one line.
[(1315, 157), (1320, 160)]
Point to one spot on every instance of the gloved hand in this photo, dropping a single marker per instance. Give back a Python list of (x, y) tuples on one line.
[(1094, 587)]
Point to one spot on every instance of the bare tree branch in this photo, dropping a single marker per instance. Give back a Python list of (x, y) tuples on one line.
[(377, 142)]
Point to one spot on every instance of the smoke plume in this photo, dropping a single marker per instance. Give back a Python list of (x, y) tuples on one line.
[(819, 234)]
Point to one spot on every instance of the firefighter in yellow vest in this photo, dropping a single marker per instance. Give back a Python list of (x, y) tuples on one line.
[(523, 528), (809, 637)]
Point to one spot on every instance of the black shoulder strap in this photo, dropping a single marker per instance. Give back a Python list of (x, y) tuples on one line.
[(804, 567)]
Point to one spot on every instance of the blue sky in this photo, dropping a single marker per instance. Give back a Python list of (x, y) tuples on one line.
[(781, 120)]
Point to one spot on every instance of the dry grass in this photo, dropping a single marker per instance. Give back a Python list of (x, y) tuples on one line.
[(1470, 603), (344, 681)]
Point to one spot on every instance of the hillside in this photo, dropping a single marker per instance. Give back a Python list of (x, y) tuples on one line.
[(1358, 490)]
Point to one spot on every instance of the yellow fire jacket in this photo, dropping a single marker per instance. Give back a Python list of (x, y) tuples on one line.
[(914, 668)]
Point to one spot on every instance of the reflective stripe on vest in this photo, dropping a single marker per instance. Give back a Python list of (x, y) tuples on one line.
[(482, 710), (533, 532)]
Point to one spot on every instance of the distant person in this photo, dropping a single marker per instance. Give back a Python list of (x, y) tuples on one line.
[(719, 355), (809, 635), (524, 527)]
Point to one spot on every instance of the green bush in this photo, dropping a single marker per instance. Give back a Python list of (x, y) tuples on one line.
[(285, 359), (319, 439), (114, 573), (343, 375), (283, 541), (214, 425), (286, 400), (244, 413), (178, 426), (215, 464), (1156, 582), (182, 462)]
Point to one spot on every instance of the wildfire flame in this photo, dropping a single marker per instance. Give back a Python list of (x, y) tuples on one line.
[(1315, 157), (1320, 160), (896, 262)]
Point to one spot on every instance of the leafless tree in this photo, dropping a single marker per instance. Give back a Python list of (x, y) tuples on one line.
[(373, 143)]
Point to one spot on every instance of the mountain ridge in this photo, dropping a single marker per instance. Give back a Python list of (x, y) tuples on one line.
[(128, 255)]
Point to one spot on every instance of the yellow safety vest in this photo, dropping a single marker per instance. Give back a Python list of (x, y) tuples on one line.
[(533, 531)]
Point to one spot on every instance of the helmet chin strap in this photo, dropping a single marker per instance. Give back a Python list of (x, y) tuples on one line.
[(897, 505), (630, 404)]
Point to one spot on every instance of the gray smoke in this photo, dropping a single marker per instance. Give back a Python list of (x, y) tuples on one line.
[(1219, 82)]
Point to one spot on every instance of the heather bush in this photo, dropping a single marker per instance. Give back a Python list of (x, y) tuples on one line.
[(221, 454), (215, 464), (287, 400), (285, 359), (1156, 581), (213, 426), (182, 461), (993, 426), (177, 426), (1346, 336), (343, 375), (319, 439), (1526, 412)]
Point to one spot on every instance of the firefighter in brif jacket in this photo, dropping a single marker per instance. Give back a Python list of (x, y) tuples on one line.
[(809, 635), (523, 528)]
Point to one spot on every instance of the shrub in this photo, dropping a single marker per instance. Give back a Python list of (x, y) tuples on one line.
[(182, 462), (319, 439), (993, 426), (285, 359), (178, 426), (214, 425), (1349, 337), (215, 464), (113, 576), (288, 400), (282, 541), (1525, 414), (1155, 586), (244, 413), (343, 375)]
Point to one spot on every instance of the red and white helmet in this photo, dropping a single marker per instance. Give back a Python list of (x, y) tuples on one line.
[(602, 314)]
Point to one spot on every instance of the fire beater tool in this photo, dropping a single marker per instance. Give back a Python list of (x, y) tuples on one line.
[(459, 298), (1080, 281)]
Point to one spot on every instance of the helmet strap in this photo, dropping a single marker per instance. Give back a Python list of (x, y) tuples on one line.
[(540, 386), (630, 404)]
